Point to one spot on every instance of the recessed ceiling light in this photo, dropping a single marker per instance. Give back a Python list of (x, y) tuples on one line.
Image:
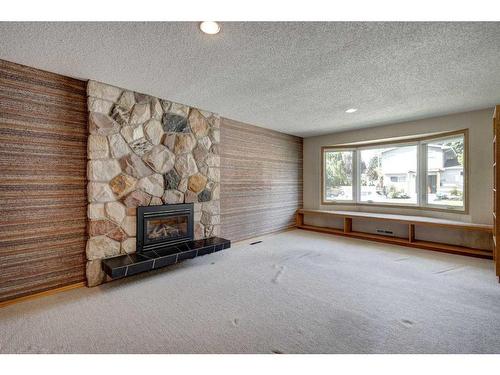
[(209, 27), (351, 110)]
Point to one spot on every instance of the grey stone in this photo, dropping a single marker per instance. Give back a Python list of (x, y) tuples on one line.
[(165, 105), (174, 123), (99, 192), (152, 185), (141, 146), (97, 146), (101, 124), (102, 170), (212, 160), (134, 166), (173, 196), (207, 219), (120, 115), (154, 131), (185, 165), (199, 231), (103, 91), (200, 153), (118, 146), (160, 159), (171, 180), (215, 149), (205, 195), (101, 247), (132, 133), (95, 274), (183, 185), (216, 192), (142, 98), (140, 114)]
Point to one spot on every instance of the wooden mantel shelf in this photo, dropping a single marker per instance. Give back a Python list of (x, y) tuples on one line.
[(411, 221)]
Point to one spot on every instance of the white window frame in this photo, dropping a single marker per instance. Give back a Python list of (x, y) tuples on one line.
[(421, 178)]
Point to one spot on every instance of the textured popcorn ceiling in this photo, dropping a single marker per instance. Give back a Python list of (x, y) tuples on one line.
[(292, 77)]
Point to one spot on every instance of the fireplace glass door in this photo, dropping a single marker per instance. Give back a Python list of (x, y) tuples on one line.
[(161, 229)]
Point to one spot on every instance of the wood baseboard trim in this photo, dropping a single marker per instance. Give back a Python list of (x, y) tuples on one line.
[(42, 294)]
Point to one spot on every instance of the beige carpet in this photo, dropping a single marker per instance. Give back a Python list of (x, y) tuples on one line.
[(296, 292)]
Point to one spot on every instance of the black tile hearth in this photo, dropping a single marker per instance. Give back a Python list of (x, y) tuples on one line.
[(131, 264)]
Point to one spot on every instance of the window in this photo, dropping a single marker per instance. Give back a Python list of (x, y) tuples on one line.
[(421, 172), (338, 175), (445, 172), (388, 175)]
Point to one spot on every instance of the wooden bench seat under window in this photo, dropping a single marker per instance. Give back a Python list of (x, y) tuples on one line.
[(411, 221)]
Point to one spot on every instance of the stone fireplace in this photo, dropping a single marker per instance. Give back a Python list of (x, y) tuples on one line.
[(162, 226), (146, 152)]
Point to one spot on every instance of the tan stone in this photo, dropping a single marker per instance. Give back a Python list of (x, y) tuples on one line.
[(215, 136), (101, 124), (200, 153), (169, 141), (154, 131), (184, 143), (173, 196), (122, 184), (214, 174), (97, 146), (211, 207), (197, 182), (199, 231), (99, 105), (99, 192), (137, 198), (95, 274), (152, 185), (132, 133), (160, 159), (179, 109), (129, 225), (190, 197), (115, 211), (127, 100), (129, 245), (134, 166), (103, 170), (140, 114), (117, 234), (198, 123), (185, 165), (103, 91), (156, 110), (100, 227), (118, 146), (101, 247), (95, 211), (155, 201)]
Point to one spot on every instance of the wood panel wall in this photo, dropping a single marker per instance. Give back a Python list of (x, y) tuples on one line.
[(261, 180), (43, 136)]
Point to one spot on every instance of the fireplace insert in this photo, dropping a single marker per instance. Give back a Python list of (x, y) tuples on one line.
[(160, 226)]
